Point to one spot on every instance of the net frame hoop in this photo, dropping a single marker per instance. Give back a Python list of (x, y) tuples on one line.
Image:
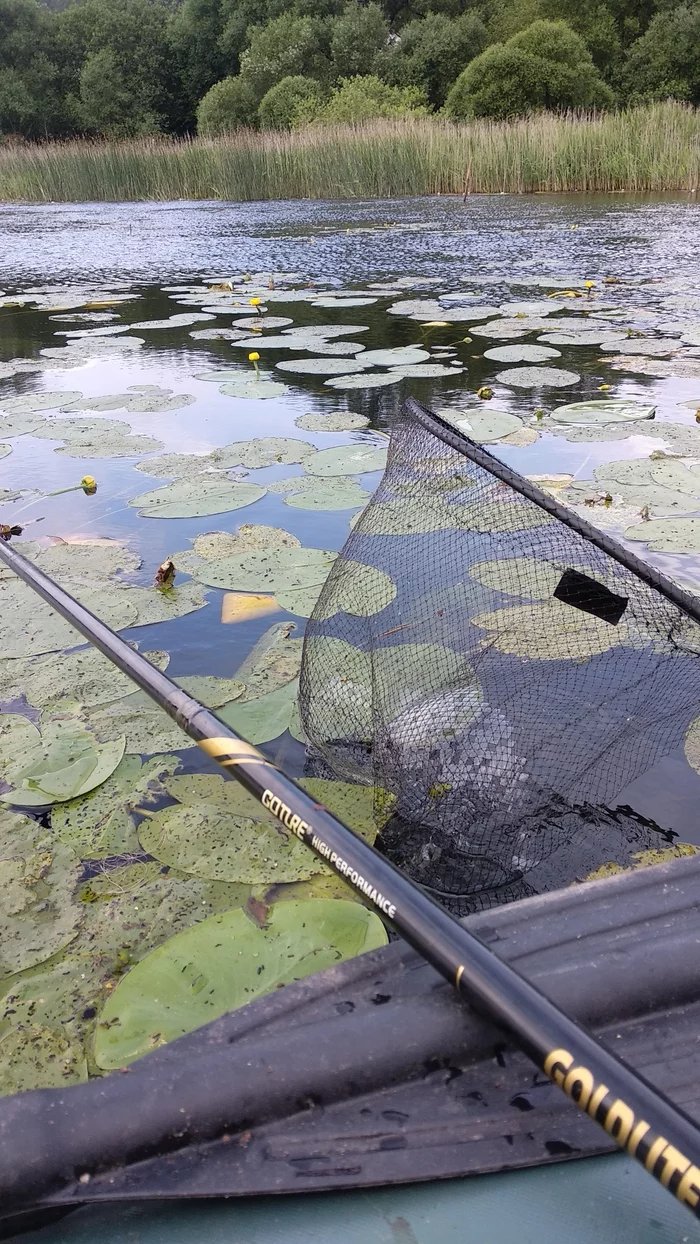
[(458, 441)]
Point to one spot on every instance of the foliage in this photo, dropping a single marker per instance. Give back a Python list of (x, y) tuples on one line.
[(229, 105), (289, 102), (288, 46), (359, 34), (665, 62), (361, 99), (546, 66), (432, 53)]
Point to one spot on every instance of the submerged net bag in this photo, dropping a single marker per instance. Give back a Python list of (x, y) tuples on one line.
[(495, 668)]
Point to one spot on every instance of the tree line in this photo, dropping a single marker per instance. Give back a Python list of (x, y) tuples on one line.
[(132, 67)]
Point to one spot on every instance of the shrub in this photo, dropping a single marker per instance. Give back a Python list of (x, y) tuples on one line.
[(666, 60), (361, 99), (359, 34), (546, 66), (432, 52), (288, 46), (290, 102), (229, 105)]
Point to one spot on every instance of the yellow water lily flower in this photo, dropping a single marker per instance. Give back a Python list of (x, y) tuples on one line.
[(484, 393), (254, 302), (603, 388), (253, 356), (88, 485)]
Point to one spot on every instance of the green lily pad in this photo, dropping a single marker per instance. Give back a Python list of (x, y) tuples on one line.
[(692, 745), (268, 570), (497, 331), (263, 719), (262, 322), (262, 452), (364, 808), (161, 604), (368, 380), (338, 494), (224, 376), (325, 331), (549, 631), (86, 676), (87, 561), (20, 424), (42, 630), (35, 1057), (79, 352), (174, 466), (401, 356), (254, 389), (521, 354), (358, 590), (596, 412), (147, 729), (274, 661), (28, 403), (346, 460), (484, 426), (664, 369), (538, 377), (65, 763), (336, 348), (323, 366), (99, 824), (650, 346), (300, 601), (294, 339), (587, 338), (427, 371), (38, 913), (196, 497), (249, 538), (526, 577), (344, 302), (343, 421), (668, 535), (217, 334), (210, 690), (225, 962), (19, 737)]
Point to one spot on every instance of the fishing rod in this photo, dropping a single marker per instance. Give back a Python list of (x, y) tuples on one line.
[(643, 1122)]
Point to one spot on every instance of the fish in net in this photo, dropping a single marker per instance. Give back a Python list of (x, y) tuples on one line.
[(497, 670)]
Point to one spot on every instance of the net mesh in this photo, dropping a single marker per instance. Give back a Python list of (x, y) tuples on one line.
[(494, 676)]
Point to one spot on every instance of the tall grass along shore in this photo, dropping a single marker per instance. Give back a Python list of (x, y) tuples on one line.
[(651, 148)]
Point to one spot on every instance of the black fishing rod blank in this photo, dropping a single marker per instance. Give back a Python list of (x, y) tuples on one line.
[(643, 1122)]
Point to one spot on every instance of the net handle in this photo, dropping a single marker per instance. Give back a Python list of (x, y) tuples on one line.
[(462, 444)]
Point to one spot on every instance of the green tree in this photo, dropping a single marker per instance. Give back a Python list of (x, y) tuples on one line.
[(592, 19), (666, 60), (361, 99), (229, 105), (288, 46), (358, 35), (545, 66), (289, 102), (194, 32), (433, 51), (29, 94)]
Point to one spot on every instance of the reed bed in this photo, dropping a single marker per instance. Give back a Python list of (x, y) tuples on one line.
[(647, 149)]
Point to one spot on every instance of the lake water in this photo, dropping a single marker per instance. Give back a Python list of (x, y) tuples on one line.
[(121, 262)]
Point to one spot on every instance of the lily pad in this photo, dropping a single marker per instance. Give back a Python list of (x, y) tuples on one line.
[(249, 538), (668, 535), (538, 377), (299, 600), (65, 763), (262, 452), (484, 426), (225, 962), (254, 389), (86, 676), (268, 570), (263, 719), (346, 460), (38, 913), (99, 824), (35, 1057), (323, 366), (274, 661), (29, 627), (174, 466), (147, 729), (217, 334), (19, 737), (80, 352), (162, 604), (344, 302), (196, 497), (343, 421), (367, 380), (427, 371), (338, 494), (521, 354), (210, 690), (401, 356), (364, 808), (597, 412), (357, 589), (261, 322), (174, 321), (551, 631), (28, 403), (87, 560), (337, 348), (326, 331), (651, 346)]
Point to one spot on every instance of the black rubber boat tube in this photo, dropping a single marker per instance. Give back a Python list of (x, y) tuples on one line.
[(633, 1113)]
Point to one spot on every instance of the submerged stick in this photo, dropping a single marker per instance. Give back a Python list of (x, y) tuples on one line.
[(642, 1121)]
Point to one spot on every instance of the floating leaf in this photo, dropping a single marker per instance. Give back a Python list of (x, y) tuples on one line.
[(38, 914), (19, 737), (261, 322), (358, 590), (668, 535), (346, 460), (344, 302), (86, 676), (343, 421), (368, 380), (483, 426), (538, 377), (338, 494), (273, 662), (223, 963), (401, 356), (651, 346), (254, 389), (196, 497), (182, 320), (87, 560), (211, 691), (174, 466), (338, 348), (249, 538), (521, 354), (263, 719), (35, 1057), (28, 403), (268, 570), (328, 331), (427, 371), (99, 824), (323, 366), (592, 413), (551, 631), (364, 808), (66, 762), (264, 451), (156, 604), (42, 629)]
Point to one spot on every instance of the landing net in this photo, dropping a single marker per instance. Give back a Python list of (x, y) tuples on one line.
[(494, 668)]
